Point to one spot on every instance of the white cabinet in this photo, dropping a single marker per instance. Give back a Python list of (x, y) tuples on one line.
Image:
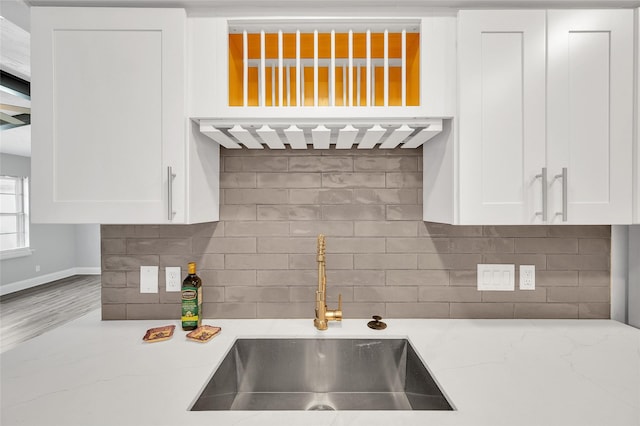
[(111, 142), (590, 115), (501, 115), (529, 106)]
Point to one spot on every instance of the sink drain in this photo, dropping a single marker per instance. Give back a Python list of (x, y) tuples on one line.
[(321, 407)]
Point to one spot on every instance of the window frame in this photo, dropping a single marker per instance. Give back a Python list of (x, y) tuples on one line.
[(22, 219)]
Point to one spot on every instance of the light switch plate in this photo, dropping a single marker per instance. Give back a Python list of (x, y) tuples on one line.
[(527, 277), (148, 279), (172, 278), (496, 277)]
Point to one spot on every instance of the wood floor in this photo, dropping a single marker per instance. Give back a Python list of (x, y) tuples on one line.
[(29, 313)]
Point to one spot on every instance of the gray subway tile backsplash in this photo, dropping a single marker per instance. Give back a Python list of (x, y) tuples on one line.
[(259, 261)]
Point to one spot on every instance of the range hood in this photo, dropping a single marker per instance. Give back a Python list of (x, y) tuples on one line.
[(321, 133)]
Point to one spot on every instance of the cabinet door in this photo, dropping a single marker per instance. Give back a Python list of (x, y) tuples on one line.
[(108, 107), (501, 116), (589, 115)]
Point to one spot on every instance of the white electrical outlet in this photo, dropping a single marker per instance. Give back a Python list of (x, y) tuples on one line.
[(527, 277), (148, 279), (172, 277), (496, 277)]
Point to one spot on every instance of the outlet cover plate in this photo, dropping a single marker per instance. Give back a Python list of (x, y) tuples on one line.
[(148, 279), (172, 278), (527, 277), (496, 277)]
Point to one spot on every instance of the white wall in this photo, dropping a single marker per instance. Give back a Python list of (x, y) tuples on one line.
[(59, 250), (625, 274), (634, 276)]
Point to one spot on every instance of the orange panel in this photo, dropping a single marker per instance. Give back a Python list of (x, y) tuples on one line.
[(339, 87), (308, 86), (395, 86), (271, 46), (253, 87), (268, 93), (413, 69), (253, 41), (235, 70), (324, 52)]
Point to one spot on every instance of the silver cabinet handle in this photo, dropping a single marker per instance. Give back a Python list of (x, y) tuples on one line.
[(170, 176), (543, 178), (563, 176)]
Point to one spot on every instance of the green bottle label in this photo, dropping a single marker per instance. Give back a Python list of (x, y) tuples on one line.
[(190, 307)]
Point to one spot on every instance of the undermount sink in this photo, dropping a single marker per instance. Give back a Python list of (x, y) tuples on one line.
[(321, 374)]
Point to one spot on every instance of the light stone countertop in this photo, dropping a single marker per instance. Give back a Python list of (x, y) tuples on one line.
[(495, 372)]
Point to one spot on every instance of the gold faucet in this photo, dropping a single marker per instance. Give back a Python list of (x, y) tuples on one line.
[(324, 315)]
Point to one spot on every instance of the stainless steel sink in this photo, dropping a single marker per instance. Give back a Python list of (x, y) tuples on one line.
[(321, 374)]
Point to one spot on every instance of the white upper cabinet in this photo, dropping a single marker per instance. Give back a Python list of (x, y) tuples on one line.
[(111, 141), (545, 120), (501, 116), (590, 116)]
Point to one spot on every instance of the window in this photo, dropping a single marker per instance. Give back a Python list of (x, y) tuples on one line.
[(14, 216)]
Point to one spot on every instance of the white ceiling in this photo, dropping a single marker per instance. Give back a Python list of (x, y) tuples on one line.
[(16, 141), (14, 50), (369, 4), (15, 59)]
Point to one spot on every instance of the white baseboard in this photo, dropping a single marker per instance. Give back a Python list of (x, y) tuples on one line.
[(84, 270), (47, 278)]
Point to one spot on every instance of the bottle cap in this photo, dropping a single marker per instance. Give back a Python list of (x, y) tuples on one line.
[(192, 267)]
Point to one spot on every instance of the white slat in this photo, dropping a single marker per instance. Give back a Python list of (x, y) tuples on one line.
[(315, 68), (280, 69), (270, 137), (358, 86), (346, 137), (350, 68), (404, 67), (396, 137), (427, 133), (263, 71), (273, 85), (371, 137), (218, 136), (245, 69), (386, 68), (245, 137), (373, 85), (298, 90), (295, 136), (344, 85), (302, 86), (321, 137), (368, 88), (332, 71), (288, 85)]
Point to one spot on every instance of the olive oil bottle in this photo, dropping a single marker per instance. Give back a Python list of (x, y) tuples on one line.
[(191, 300)]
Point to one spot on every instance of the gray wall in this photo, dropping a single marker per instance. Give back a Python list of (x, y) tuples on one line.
[(87, 246), (57, 248), (259, 260)]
